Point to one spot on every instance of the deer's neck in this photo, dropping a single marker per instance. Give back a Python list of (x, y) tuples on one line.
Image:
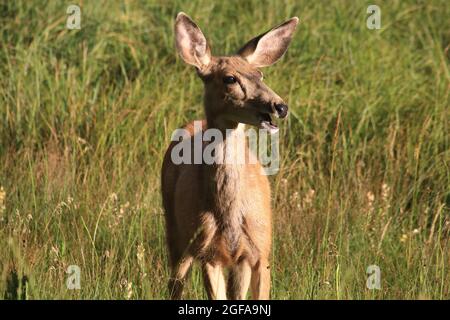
[(224, 178)]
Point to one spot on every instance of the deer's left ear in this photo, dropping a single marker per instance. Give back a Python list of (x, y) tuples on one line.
[(190, 42), (268, 47)]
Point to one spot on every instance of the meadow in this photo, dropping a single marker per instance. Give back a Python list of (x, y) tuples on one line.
[(86, 115)]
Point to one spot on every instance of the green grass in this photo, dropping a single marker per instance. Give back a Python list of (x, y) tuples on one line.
[(86, 115)]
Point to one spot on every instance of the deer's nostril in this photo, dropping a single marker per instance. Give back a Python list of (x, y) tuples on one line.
[(281, 109)]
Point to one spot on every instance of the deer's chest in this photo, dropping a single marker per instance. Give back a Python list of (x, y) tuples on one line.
[(233, 200), (229, 240)]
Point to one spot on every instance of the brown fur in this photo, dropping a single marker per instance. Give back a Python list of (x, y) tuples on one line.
[(220, 214)]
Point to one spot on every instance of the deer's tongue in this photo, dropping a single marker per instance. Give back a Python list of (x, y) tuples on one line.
[(266, 123)]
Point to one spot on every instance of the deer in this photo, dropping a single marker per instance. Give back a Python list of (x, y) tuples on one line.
[(220, 214)]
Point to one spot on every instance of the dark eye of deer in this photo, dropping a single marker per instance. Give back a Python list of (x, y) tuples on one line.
[(229, 80)]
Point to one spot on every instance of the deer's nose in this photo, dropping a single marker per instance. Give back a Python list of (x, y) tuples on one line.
[(282, 110)]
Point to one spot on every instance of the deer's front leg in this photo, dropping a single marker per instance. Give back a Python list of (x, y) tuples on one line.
[(239, 280), (260, 282), (214, 281), (179, 272)]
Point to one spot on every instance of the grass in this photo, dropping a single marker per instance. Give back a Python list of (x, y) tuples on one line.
[(85, 116)]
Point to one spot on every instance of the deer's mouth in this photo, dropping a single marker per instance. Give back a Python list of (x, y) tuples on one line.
[(267, 123)]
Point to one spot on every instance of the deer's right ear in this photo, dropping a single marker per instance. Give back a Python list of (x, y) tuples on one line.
[(267, 48), (191, 43)]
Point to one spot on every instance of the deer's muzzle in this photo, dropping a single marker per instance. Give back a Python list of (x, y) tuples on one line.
[(281, 110)]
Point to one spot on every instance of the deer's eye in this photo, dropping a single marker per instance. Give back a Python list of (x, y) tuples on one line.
[(229, 80)]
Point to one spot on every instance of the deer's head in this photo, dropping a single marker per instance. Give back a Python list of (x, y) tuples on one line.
[(234, 88)]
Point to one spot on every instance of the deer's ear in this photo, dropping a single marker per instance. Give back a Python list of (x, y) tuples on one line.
[(191, 43), (268, 47)]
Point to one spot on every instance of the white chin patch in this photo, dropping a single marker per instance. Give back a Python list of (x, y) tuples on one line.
[(269, 127)]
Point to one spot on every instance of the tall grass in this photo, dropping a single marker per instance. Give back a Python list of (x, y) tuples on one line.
[(86, 115)]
